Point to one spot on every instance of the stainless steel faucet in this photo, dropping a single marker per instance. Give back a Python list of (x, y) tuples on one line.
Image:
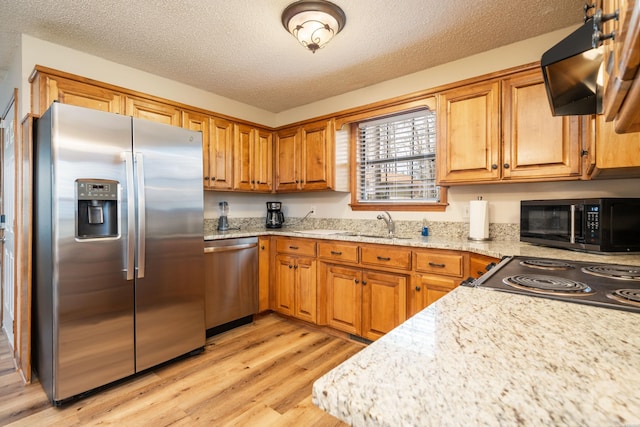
[(391, 226)]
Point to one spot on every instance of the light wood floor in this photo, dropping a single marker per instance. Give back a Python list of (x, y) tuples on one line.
[(255, 375)]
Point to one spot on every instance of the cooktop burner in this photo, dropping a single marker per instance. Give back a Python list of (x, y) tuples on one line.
[(546, 264), (603, 285), (627, 296), (553, 285), (620, 272)]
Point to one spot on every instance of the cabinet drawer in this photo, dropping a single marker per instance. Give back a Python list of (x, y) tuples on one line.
[(296, 246), (391, 257), (338, 252), (440, 263)]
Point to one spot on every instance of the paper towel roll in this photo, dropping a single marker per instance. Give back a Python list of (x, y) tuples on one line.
[(479, 220)]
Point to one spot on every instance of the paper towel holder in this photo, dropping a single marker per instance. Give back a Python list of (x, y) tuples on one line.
[(484, 235)]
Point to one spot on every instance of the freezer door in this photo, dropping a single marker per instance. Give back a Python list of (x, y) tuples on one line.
[(169, 297), (88, 306)]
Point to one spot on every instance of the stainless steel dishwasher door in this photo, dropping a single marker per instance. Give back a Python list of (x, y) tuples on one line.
[(231, 274)]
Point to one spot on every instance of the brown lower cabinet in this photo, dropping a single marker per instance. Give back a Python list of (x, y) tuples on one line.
[(295, 278), (362, 289), (362, 302)]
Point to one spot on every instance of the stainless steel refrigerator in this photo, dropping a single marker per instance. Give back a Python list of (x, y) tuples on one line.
[(118, 247)]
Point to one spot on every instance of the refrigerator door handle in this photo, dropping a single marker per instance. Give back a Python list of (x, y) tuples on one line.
[(131, 209), (141, 214)]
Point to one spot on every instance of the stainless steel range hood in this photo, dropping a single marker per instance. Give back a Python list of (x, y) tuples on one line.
[(572, 71)]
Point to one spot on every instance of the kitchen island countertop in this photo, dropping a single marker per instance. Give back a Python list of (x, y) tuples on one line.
[(482, 357)]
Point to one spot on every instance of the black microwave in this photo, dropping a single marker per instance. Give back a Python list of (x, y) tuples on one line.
[(594, 225)]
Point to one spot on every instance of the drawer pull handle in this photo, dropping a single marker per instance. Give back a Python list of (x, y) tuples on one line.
[(294, 248), (383, 258), (433, 264), (336, 253)]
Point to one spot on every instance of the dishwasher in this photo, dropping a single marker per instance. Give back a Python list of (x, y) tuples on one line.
[(231, 283)]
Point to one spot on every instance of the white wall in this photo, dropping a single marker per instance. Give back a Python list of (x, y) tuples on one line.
[(41, 52)]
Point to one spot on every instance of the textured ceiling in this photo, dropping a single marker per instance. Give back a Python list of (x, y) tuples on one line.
[(239, 49)]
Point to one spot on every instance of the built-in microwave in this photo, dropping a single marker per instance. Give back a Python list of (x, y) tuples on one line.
[(598, 225)]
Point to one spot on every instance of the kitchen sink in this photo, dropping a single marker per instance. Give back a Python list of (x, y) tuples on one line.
[(381, 236)]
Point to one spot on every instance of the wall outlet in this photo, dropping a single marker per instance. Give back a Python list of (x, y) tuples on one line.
[(313, 211), (465, 212)]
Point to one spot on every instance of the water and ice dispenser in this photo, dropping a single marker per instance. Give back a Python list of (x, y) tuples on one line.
[(97, 214)]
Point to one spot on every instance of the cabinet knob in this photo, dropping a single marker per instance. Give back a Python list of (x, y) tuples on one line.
[(494, 166), (206, 177), (357, 281), (262, 247), (295, 267), (418, 288), (506, 165), (364, 282), (290, 266), (213, 178)]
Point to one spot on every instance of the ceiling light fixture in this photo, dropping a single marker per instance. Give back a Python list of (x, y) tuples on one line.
[(313, 22)]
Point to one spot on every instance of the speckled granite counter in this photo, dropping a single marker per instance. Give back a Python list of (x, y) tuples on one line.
[(484, 358), (497, 248)]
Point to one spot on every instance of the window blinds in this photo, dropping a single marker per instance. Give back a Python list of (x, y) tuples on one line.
[(397, 159)]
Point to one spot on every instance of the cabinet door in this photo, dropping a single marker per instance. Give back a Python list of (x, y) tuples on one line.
[(343, 298), (469, 134), (384, 302), (536, 144), (616, 155), (305, 306), (200, 122), (253, 158), (426, 289), (287, 160), (263, 161), (264, 272), (220, 166), (317, 158), (154, 111), (76, 93), (243, 153), (284, 285)]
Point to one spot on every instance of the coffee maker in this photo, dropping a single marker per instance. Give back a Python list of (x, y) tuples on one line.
[(275, 218)]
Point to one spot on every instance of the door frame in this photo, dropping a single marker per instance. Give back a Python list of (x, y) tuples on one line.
[(12, 104)]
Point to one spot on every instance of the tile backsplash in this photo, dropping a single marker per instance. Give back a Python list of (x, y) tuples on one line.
[(456, 230)]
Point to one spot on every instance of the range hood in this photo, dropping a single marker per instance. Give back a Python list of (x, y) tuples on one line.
[(572, 71)]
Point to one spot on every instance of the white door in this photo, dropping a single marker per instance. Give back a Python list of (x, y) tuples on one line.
[(7, 206)]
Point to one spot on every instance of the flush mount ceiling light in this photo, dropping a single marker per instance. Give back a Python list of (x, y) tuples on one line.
[(313, 23)]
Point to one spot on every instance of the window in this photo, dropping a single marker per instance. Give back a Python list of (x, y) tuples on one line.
[(396, 161)]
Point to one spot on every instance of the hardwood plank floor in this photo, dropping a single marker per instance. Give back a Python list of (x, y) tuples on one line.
[(255, 375)]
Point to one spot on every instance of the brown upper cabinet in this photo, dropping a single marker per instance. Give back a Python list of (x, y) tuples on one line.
[(45, 89), (253, 159), (502, 130), (609, 154), (305, 157), (154, 111), (622, 61), (217, 136)]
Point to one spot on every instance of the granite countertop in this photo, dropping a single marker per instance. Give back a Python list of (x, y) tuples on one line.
[(482, 357), (497, 248)]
